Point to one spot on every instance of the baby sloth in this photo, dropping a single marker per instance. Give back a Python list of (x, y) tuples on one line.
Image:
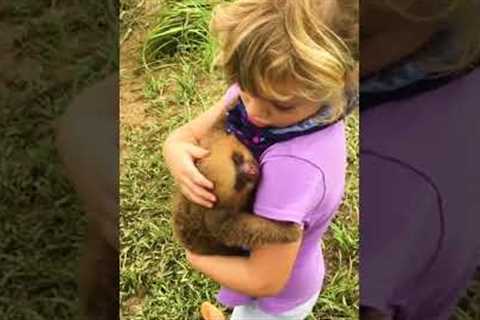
[(230, 226)]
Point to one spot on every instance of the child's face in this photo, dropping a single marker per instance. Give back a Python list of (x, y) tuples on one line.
[(263, 112)]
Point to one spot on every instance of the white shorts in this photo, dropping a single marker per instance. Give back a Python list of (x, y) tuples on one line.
[(251, 311)]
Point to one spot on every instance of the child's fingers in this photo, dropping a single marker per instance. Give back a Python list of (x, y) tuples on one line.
[(199, 190), (196, 151), (194, 175), (194, 198)]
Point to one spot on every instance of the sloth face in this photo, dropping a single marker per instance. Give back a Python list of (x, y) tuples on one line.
[(232, 169), (246, 171)]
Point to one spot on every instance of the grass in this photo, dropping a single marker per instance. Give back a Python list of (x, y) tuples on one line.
[(49, 52), (181, 28), (469, 306), (156, 281)]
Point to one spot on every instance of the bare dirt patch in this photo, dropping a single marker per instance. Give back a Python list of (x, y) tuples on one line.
[(132, 77), (132, 102)]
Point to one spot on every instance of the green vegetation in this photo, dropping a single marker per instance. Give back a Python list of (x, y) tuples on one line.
[(156, 281)]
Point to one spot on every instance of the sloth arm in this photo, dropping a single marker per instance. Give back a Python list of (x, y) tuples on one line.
[(264, 273), (246, 229)]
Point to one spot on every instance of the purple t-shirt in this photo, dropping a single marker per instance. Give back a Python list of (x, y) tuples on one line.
[(303, 182), (420, 201)]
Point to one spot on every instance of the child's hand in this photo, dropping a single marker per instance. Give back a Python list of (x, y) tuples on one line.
[(181, 150), (180, 157)]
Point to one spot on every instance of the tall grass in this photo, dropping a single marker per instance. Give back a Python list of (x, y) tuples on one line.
[(182, 28)]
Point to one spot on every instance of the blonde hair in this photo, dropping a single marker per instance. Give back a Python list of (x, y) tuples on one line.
[(460, 17), (266, 42)]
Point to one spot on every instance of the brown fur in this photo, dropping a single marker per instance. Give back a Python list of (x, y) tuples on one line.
[(230, 225)]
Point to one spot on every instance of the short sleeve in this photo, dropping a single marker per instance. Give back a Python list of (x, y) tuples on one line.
[(289, 189)]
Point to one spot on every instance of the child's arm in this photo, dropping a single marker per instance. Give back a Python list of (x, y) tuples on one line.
[(181, 149), (264, 273)]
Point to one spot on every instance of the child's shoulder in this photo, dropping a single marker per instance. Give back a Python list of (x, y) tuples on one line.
[(300, 174), (318, 148)]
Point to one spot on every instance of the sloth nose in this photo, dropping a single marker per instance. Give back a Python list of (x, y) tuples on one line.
[(250, 169)]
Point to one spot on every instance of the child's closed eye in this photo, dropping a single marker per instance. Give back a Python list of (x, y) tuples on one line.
[(284, 108)]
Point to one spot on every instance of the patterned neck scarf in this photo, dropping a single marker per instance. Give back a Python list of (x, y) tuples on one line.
[(258, 139)]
